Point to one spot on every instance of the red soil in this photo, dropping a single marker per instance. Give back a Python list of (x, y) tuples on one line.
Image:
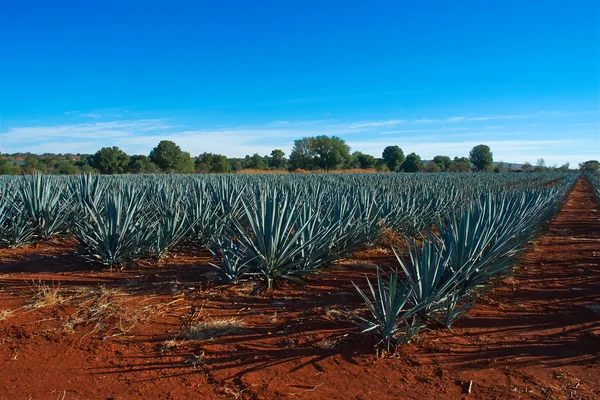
[(533, 336)]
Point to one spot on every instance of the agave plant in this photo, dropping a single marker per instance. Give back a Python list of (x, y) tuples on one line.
[(233, 259), (427, 273), (274, 238), (392, 314), (116, 230), (172, 223), (16, 228), (47, 202)]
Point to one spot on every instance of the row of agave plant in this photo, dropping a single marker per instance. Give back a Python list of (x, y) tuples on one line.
[(594, 180), (269, 227), (444, 274)]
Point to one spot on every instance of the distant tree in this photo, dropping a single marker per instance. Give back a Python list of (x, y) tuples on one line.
[(277, 160), (592, 166), (213, 163), (431, 166), (302, 155), (33, 163), (564, 167), (329, 152), (364, 161), (235, 164), (540, 166), (170, 158), (393, 156), (443, 162), (7, 168), (256, 162), (527, 167), (111, 160), (412, 163), (140, 164), (65, 167), (460, 164), (482, 158)]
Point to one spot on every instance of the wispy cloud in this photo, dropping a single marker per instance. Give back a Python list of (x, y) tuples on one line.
[(92, 115), (372, 124), (515, 141)]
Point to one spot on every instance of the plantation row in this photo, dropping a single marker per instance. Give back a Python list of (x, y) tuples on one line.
[(277, 228)]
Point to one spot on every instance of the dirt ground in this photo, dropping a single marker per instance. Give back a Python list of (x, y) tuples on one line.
[(167, 332)]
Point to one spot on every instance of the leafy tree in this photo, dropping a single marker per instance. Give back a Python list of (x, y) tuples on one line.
[(540, 166), (277, 160), (256, 162), (65, 167), (329, 152), (140, 164), (482, 158), (111, 160), (302, 155), (431, 166), (170, 158), (412, 163), (34, 163), (527, 167), (213, 163), (443, 162), (564, 167), (393, 156), (7, 168), (364, 161), (592, 166), (460, 164)]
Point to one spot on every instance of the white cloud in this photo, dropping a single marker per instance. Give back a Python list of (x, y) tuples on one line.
[(92, 115)]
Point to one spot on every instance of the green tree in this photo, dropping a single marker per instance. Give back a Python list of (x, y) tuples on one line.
[(364, 161), (412, 163), (65, 167), (302, 155), (565, 167), (443, 162), (592, 166), (431, 166), (329, 152), (527, 167), (170, 158), (256, 162), (8, 168), (111, 160), (482, 158), (277, 160), (213, 163), (540, 166), (34, 163), (393, 157), (460, 164), (140, 164)]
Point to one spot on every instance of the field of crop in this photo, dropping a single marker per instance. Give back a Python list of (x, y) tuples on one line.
[(301, 286)]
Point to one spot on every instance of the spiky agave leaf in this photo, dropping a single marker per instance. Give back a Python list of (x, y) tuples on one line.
[(47, 202), (115, 231), (390, 308)]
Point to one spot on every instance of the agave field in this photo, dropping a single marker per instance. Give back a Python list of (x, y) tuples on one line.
[(461, 232)]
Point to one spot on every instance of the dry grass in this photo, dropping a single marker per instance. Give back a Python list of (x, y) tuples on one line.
[(389, 237), (44, 295), (110, 312), (213, 328), (4, 314)]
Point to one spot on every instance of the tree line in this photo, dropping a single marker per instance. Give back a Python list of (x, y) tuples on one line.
[(319, 153)]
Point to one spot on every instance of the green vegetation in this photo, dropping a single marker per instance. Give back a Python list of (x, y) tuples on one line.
[(277, 228)]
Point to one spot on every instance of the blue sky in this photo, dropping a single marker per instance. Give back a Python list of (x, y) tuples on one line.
[(237, 78)]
